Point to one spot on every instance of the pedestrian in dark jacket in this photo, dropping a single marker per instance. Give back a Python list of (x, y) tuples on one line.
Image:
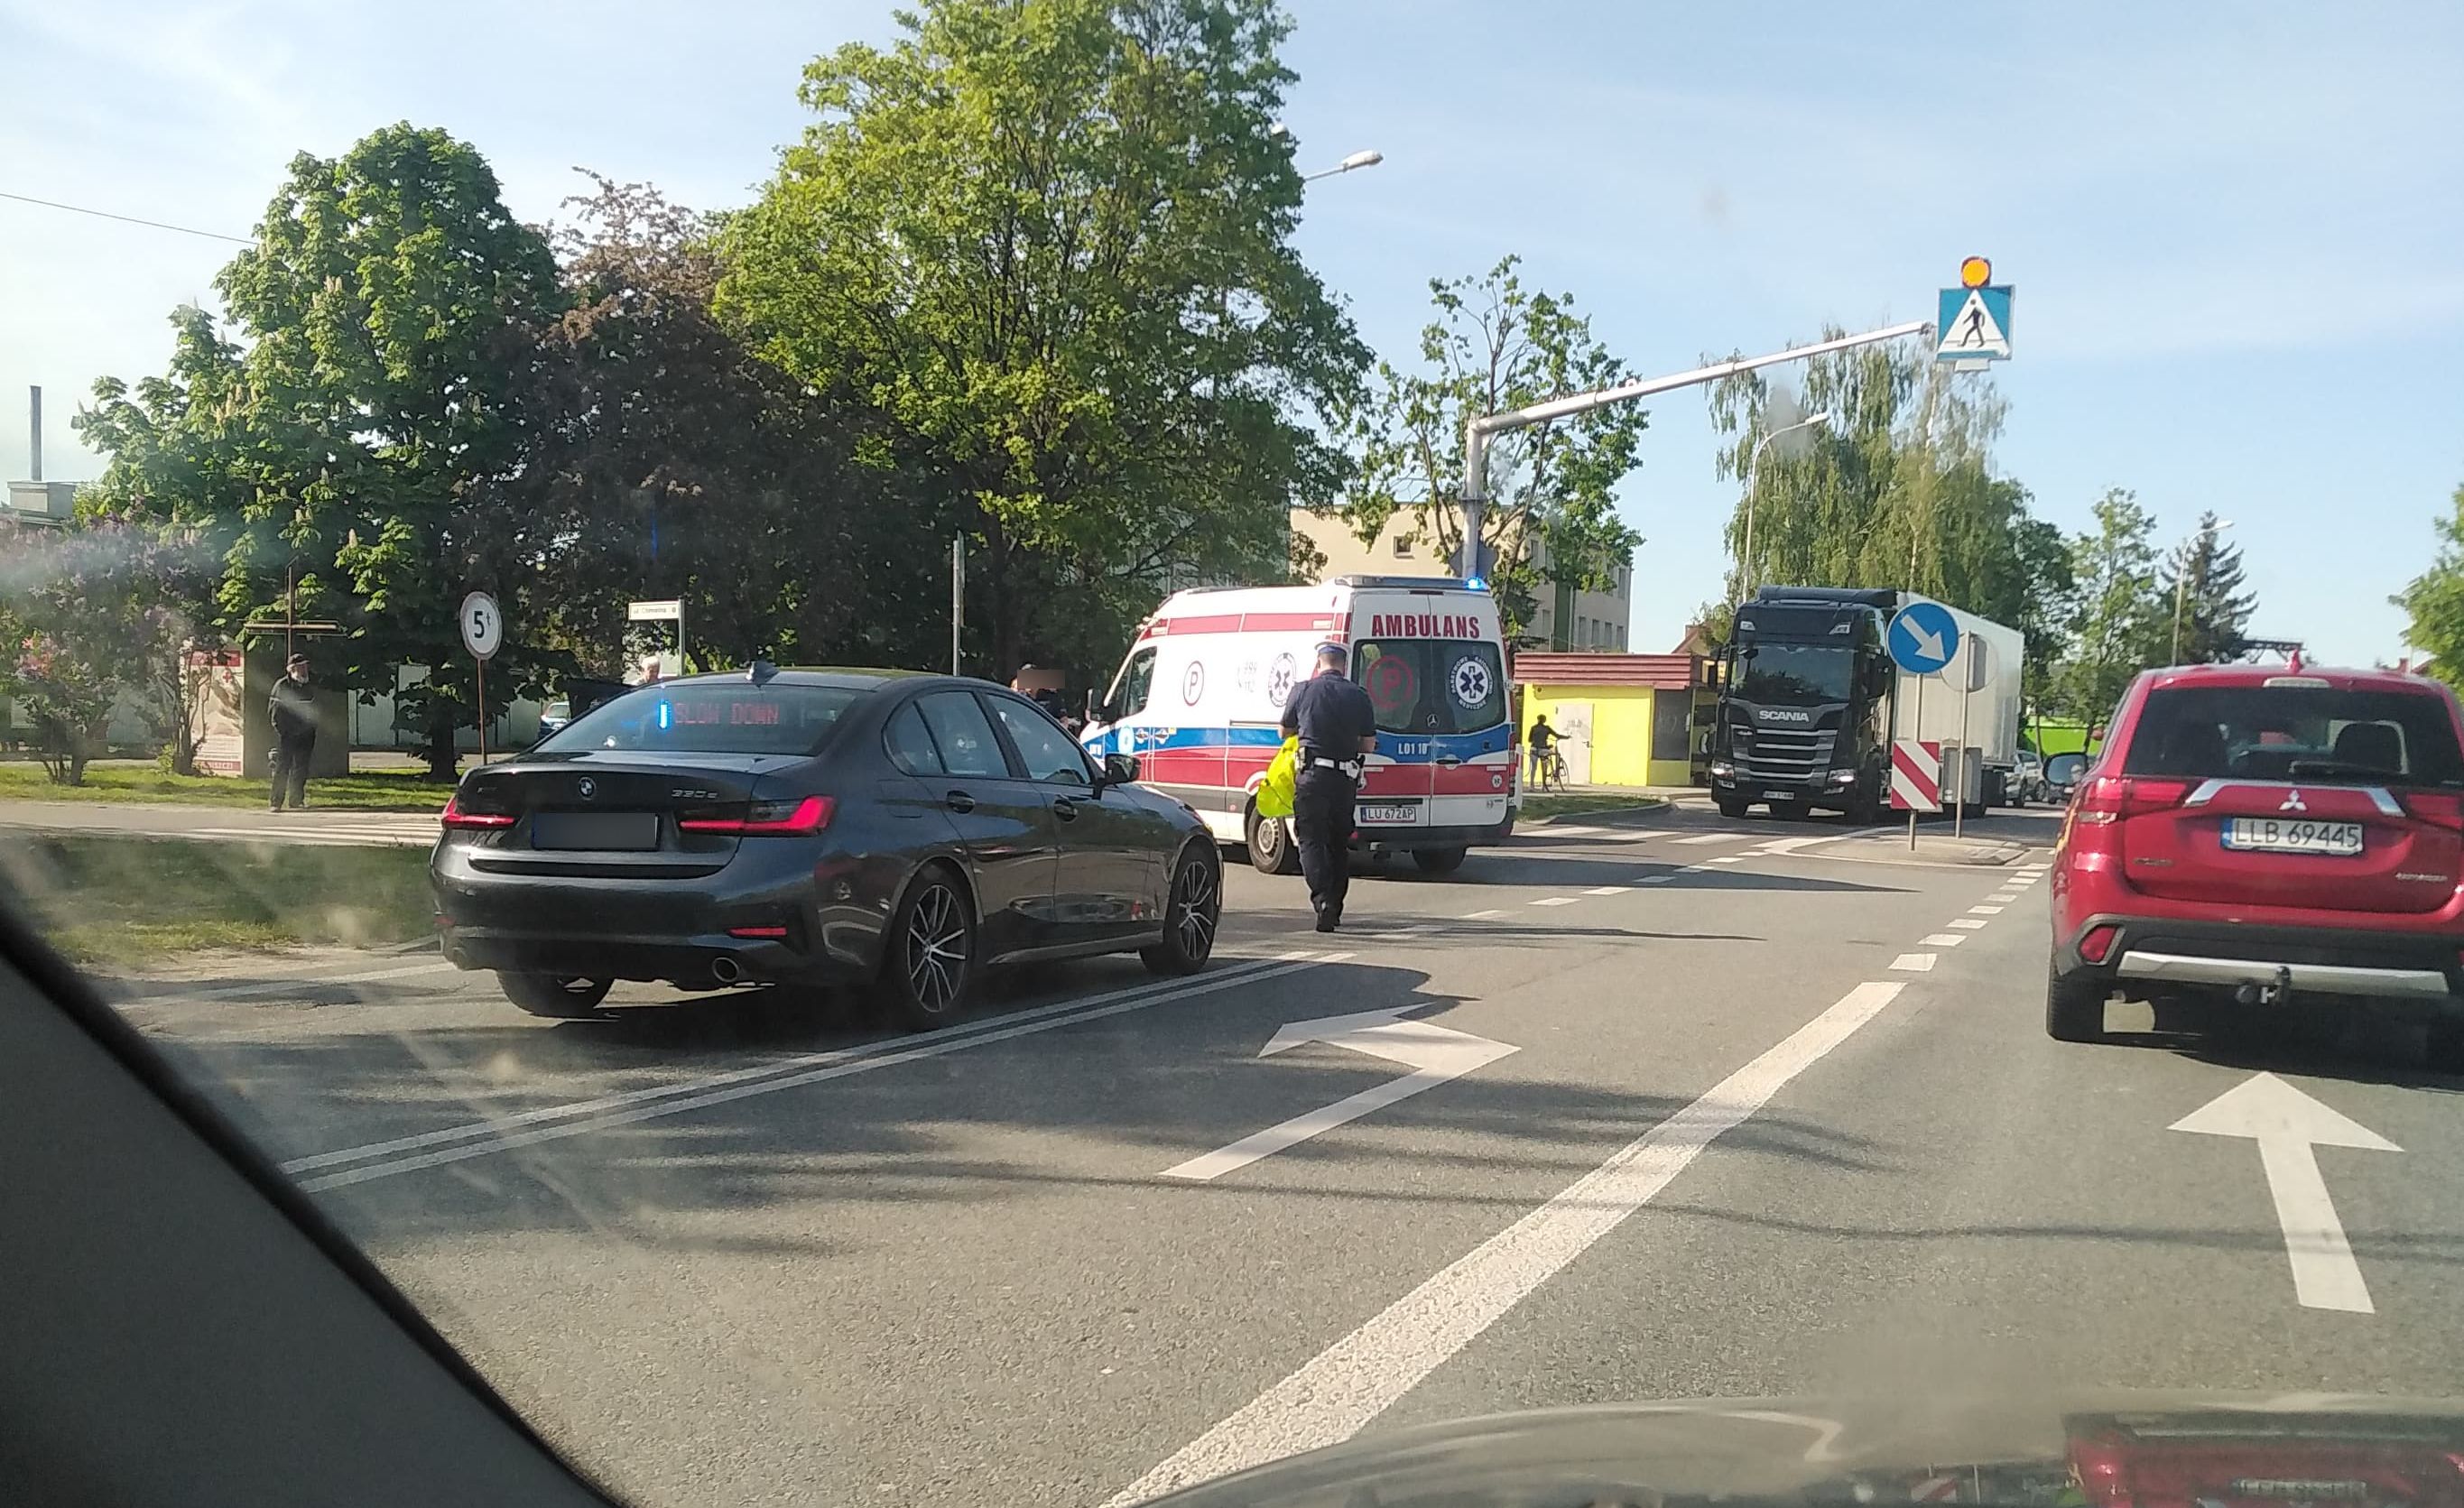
[(292, 711)]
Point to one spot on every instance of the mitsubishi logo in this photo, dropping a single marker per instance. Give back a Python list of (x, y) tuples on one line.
[(589, 788), (2293, 802)]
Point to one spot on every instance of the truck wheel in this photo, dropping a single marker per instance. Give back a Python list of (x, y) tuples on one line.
[(1730, 807), (1271, 849), (2074, 1006)]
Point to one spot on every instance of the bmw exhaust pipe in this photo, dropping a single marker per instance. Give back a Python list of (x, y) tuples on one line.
[(726, 970)]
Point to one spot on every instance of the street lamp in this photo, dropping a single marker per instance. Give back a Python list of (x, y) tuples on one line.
[(2182, 577), (1356, 161), (1753, 462)]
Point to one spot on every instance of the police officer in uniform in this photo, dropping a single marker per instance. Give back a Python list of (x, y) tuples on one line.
[(1336, 725)]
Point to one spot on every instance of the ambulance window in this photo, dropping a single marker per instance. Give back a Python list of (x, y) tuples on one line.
[(1432, 686), (1138, 679)]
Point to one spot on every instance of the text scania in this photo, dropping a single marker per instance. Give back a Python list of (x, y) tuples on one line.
[(1423, 625)]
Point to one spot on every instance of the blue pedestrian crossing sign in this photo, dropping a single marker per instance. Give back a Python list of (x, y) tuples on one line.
[(1923, 638), (1974, 325)]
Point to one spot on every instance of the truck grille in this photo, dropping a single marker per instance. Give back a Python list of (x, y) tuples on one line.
[(1776, 755)]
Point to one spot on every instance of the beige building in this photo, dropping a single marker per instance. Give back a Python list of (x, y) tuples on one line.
[(1567, 619)]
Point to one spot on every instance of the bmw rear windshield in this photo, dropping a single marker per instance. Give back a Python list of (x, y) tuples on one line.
[(707, 717), (2318, 735)]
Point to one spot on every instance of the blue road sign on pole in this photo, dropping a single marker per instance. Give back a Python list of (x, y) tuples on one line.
[(1923, 638), (1973, 325)]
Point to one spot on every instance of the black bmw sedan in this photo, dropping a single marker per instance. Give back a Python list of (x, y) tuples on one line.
[(866, 827)]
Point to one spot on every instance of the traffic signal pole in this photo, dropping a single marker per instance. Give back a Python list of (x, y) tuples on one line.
[(1473, 495)]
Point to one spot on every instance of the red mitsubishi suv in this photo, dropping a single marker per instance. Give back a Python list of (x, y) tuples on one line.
[(2271, 837)]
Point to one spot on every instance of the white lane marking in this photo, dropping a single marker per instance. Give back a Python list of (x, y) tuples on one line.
[(1985, 911), (1714, 838), (2003, 897), (1914, 963), (228, 992), (1723, 858), (1966, 924), (1944, 939), (1656, 879), (2288, 1127), (1557, 900), (507, 1132), (2034, 868), (1331, 1397), (1608, 889), (1481, 916), (1435, 1054), (1572, 832), (1790, 846)]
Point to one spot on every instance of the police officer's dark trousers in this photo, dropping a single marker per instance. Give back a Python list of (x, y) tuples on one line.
[(1322, 801)]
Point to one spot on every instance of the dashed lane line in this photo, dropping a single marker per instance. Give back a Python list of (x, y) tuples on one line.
[(1342, 1390), (1914, 963), (1966, 924), (1714, 838), (1944, 939), (1608, 889), (1556, 900), (1985, 911)]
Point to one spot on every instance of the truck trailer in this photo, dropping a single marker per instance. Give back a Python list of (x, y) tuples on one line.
[(1809, 700)]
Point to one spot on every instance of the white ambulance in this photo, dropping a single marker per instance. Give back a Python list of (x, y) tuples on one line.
[(1199, 702)]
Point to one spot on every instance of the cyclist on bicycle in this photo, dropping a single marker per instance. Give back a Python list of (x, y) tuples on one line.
[(1542, 740)]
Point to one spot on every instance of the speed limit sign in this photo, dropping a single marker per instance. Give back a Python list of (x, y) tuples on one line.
[(483, 626)]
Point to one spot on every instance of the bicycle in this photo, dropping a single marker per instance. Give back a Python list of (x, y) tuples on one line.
[(1547, 769)]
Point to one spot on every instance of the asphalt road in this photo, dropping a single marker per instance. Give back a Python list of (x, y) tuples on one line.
[(1699, 1109)]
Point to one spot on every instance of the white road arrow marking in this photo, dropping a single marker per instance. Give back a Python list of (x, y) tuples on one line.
[(1435, 1054), (2287, 1123)]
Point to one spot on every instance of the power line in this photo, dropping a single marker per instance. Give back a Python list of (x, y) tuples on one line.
[(157, 225)]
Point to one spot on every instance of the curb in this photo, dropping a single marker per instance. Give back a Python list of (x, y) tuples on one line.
[(1643, 806)]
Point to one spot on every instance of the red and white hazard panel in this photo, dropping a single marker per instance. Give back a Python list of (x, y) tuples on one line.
[(1915, 775)]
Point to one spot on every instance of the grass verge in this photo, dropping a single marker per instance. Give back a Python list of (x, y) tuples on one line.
[(1540, 806), (124, 902), (378, 792)]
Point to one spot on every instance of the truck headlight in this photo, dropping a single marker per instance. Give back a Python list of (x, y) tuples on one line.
[(1723, 769), (1843, 778)]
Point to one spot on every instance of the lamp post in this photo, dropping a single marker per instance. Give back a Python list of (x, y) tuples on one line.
[(2182, 577), (1353, 164), (1753, 462)]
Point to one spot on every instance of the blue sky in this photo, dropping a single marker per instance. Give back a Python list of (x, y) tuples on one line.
[(2236, 230)]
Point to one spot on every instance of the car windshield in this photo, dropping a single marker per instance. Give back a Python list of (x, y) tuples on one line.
[(2321, 734), (731, 716), (1795, 675), (645, 646)]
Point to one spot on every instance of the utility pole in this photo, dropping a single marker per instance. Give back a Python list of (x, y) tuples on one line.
[(957, 596), (1474, 492)]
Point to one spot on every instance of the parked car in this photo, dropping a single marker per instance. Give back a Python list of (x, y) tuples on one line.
[(806, 827), (2269, 839), (554, 715), (2028, 779)]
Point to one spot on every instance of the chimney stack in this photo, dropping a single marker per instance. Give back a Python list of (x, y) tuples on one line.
[(34, 427)]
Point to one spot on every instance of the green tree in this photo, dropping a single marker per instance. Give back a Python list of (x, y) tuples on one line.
[(2433, 602), (678, 465), (1896, 490), (1044, 246), (2120, 619), (395, 313), (2047, 611), (1551, 487), (2207, 606)]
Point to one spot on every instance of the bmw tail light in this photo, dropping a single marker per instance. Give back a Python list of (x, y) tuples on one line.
[(454, 816), (809, 815), (2437, 808), (2111, 797)]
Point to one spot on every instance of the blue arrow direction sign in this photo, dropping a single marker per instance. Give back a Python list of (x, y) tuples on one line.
[(1924, 636), (1973, 325)]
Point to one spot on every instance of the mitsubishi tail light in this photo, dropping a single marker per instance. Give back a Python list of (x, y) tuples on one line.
[(2111, 797), (2437, 808)]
